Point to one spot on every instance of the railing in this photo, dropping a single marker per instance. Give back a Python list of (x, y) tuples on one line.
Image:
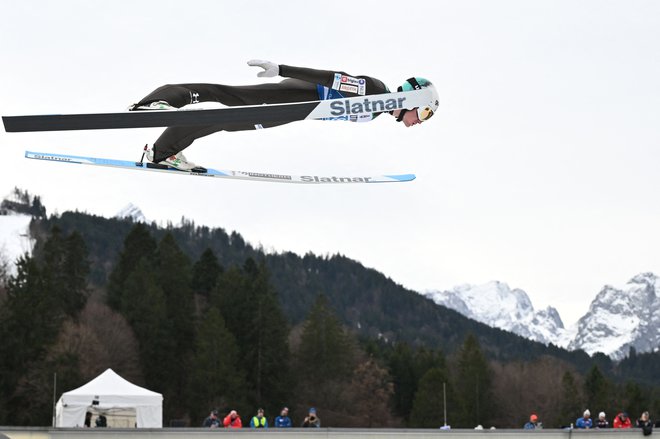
[(299, 433)]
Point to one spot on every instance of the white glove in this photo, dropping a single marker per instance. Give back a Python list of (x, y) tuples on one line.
[(270, 68)]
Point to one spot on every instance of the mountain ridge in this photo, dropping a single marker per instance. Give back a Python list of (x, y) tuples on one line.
[(617, 318)]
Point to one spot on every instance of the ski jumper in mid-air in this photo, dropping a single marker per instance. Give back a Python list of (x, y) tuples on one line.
[(302, 85)]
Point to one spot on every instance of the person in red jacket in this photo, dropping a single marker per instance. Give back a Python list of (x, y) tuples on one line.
[(622, 421), (232, 420)]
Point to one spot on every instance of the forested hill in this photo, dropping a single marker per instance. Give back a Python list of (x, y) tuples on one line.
[(371, 304), (210, 321)]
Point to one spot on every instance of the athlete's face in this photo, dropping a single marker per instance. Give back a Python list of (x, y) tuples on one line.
[(410, 117)]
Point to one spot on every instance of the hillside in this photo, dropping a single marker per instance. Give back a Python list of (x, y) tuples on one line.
[(367, 301), (240, 328)]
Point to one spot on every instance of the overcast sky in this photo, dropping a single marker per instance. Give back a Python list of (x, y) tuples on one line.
[(540, 169)]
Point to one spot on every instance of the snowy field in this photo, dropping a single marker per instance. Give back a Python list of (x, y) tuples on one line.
[(14, 238)]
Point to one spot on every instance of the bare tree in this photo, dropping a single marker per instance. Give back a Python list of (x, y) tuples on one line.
[(522, 388)]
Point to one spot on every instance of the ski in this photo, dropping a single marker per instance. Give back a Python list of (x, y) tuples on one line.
[(339, 109), (217, 173)]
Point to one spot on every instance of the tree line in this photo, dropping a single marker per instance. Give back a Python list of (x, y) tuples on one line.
[(212, 335)]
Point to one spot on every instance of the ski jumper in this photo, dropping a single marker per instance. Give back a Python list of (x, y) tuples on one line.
[(302, 85)]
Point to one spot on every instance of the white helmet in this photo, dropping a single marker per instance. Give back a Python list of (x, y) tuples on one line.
[(424, 112)]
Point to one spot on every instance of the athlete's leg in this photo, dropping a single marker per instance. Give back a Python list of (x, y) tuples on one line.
[(176, 139), (178, 95)]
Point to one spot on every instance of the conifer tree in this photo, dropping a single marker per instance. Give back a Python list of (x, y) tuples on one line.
[(145, 308), (596, 390), (28, 325), (571, 400), (138, 244), (40, 296), (635, 400), (474, 385), (253, 314), (326, 351), (325, 362), (429, 404), (65, 270), (266, 354), (233, 298), (216, 381), (402, 369), (172, 274), (205, 273)]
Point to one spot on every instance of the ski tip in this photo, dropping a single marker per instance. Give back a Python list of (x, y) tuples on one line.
[(402, 177)]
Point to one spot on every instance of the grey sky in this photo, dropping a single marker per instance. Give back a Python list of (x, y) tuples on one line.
[(540, 168)]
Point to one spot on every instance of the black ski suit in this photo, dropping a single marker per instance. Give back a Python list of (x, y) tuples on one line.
[(303, 85)]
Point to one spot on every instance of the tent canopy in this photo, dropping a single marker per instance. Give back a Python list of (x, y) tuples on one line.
[(109, 391)]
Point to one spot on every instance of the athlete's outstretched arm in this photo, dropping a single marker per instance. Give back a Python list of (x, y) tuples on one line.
[(323, 77)]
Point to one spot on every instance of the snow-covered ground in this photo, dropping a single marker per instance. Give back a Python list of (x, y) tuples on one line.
[(15, 238)]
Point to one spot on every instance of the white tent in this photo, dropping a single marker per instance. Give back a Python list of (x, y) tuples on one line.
[(109, 391)]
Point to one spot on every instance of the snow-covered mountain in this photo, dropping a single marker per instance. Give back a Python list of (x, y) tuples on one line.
[(620, 318), (496, 304), (131, 211)]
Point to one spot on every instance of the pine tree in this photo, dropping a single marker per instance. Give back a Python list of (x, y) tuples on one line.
[(205, 273), (326, 351), (138, 244), (429, 404), (37, 210), (635, 400), (474, 384), (233, 298), (216, 381), (28, 325), (596, 390), (172, 273), (39, 297), (253, 314), (65, 270), (571, 400), (402, 368), (266, 354), (146, 312)]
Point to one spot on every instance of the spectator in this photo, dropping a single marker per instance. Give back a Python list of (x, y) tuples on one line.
[(622, 421), (283, 420), (232, 420), (533, 422), (101, 421), (88, 419), (645, 424), (585, 421), (259, 421), (212, 420), (312, 421), (602, 421)]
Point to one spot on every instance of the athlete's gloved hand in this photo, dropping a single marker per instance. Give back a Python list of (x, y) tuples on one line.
[(270, 68)]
